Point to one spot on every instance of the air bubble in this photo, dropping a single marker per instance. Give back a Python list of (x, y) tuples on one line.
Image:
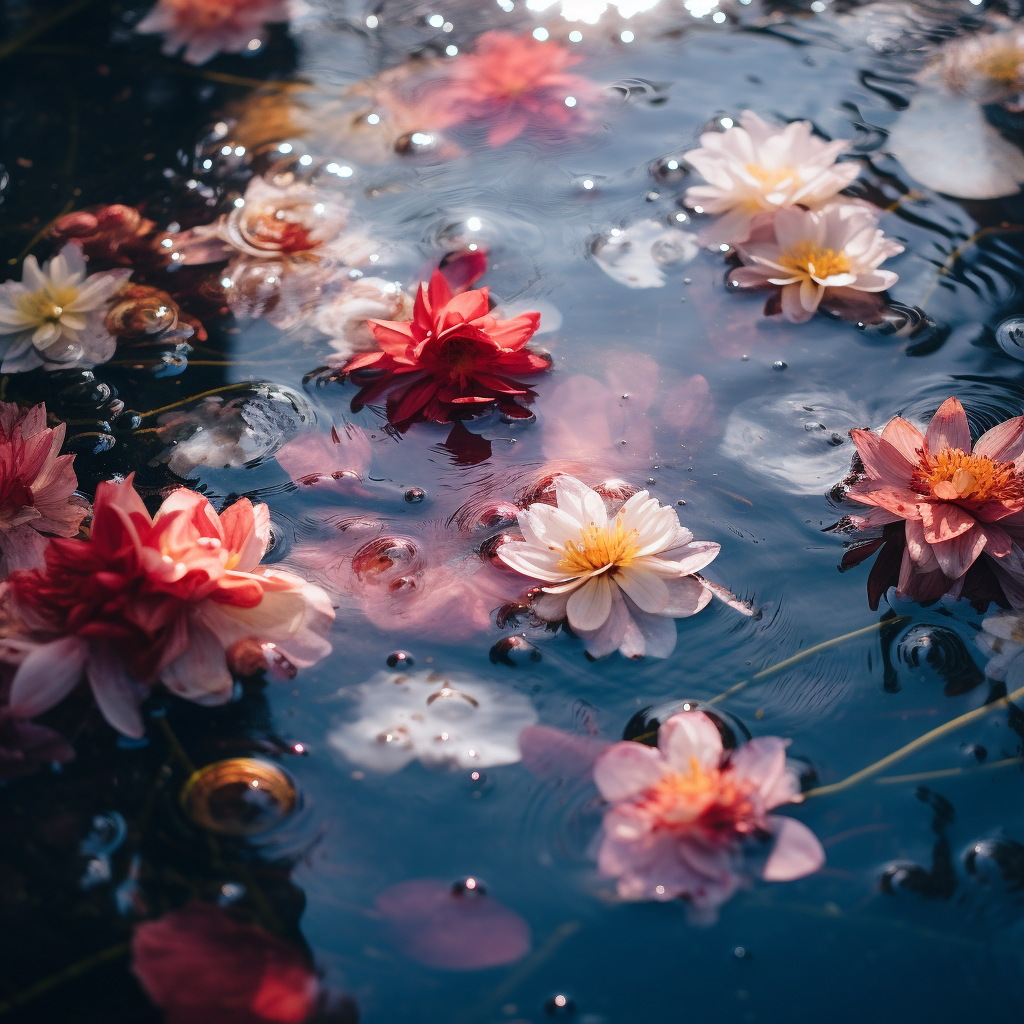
[(242, 796)]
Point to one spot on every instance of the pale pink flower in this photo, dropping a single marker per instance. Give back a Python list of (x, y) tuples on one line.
[(958, 502), (37, 488), (619, 580), (754, 169), (208, 27), (986, 66), (343, 316), (178, 598), (837, 249), (682, 814)]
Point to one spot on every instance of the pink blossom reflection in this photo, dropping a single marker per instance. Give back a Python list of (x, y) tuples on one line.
[(336, 461), (456, 927)]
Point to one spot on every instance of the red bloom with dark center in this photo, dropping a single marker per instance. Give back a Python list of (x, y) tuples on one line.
[(454, 358)]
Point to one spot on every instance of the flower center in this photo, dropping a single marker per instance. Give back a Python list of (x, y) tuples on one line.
[(600, 547), (769, 178), (275, 231), (954, 475), (807, 260), (680, 798), (1004, 64), (47, 305)]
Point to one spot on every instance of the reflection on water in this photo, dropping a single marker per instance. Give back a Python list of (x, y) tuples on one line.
[(587, 190)]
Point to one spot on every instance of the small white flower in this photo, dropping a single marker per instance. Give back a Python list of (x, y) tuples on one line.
[(620, 581), (54, 317), (754, 169), (840, 246), (1002, 638), (439, 720)]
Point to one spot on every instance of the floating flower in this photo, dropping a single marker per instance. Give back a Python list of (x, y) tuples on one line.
[(169, 598), (453, 358), (683, 812), (517, 84), (620, 581), (958, 502), (755, 169), (987, 66), (202, 966), (56, 314), (208, 27), (37, 488), (835, 250), (440, 720), (114, 234), (283, 246)]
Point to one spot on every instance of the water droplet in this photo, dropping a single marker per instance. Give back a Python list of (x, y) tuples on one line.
[(811, 426), (672, 248), (669, 169), (415, 495), (400, 659), (242, 796), (560, 1005), (417, 143), (469, 888), (779, 365), (1010, 337)]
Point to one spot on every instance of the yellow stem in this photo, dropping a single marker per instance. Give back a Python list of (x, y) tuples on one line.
[(44, 986), (944, 773)]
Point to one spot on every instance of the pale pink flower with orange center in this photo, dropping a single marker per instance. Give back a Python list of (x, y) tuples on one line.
[(208, 27), (37, 488), (179, 598), (755, 169), (959, 501), (683, 812), (837, 249)]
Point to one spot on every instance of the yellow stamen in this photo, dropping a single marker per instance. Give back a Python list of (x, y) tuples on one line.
[(47, 305), (770, 178), (599, 547), (807, 260), (954, 475), (1003, 64)]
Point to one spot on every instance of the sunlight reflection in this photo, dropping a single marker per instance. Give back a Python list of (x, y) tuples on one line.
[(590, 11)]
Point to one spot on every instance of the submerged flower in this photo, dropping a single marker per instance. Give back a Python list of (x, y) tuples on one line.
[(202, 966), (452, 357), (283, 246), (987, 66), (439, 720), (619, 580), (517, 84), (958, 501), (37, 488), (169, 598), (1002, 638), (345, 317), (208, 27), (54, 317), (755, 169), (682, 813), (838, 249), (114, 234)]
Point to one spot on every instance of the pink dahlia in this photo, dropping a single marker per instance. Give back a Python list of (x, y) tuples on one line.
[(957, 501), (177, 598), (208, 27), (682, 813), (453, 357), (516, 84), (836, 250), (37, 487)]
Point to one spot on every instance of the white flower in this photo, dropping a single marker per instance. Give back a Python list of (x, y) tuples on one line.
[(840, 246), (619, 581), (343, 317), (55, 316), (1002, 638), (755, 169), (439, 720)]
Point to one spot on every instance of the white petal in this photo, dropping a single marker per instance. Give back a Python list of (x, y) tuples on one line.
[(590, 604)]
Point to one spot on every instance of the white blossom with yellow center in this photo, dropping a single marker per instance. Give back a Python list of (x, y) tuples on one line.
[(54, 316), (754, 169), (619, 579)]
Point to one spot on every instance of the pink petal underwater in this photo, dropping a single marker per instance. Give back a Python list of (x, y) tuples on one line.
[(117, 694), (554, 754), (949, 428), (797, 851), (436, 926)]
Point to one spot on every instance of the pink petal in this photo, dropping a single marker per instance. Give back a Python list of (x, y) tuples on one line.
[(688, 735), (47, 675), (626, 769), (905, 438), (1004, 442), (944, 522), (883, 461), (797, 851), (116, 693), (949, 428), (956, 556)]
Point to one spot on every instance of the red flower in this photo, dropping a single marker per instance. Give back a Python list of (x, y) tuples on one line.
[(165, 598), (957, 503), (201, 966), (455, 358), (517, 84)]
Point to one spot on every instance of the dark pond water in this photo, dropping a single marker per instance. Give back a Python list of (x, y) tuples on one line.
[(661, 378)]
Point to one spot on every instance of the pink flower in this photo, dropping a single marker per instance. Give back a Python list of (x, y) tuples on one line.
[(755, 169), (836, 249), (516, 84), (208, 27), (201, 966), (169, 598), (682, 813), (957, 502), (37, 486)]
